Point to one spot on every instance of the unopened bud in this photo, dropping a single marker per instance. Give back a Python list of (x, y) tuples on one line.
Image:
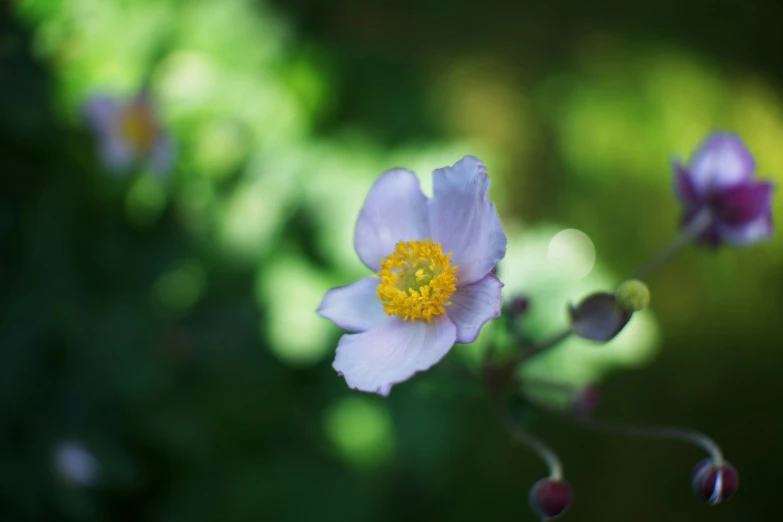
[(714, 484), (550, 498), (598, 318), (519, 305), (586, 401), (632, 295)]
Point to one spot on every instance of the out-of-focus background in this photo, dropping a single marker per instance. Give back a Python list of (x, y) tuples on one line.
[(160, 358)]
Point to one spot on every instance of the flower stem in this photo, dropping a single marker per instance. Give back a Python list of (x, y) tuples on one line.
[(538, 446), (539, 348), (656, 432), (549, 385), (697, 225)]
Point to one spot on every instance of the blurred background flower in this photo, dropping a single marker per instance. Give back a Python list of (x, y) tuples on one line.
[(172, 324), (75, 464), (720, 184), (128, 133)]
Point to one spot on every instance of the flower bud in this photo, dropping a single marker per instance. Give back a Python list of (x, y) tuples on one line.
[(714, 483), (632, 295), (550, 498), (598, 317), (586, 401), (519, 305)]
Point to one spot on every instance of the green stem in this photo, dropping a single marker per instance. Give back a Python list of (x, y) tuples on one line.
[(538, 349), (656, 432), (697, 225), (538, 446)]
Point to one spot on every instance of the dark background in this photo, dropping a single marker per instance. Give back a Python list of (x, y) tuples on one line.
[(136, 321)]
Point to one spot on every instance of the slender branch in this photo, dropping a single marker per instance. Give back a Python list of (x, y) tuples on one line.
[(564, 387), (538, 446), (656, 432), (697, 225), (538, 349)]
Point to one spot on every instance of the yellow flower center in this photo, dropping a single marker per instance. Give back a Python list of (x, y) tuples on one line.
[(138, 127), (416, 280)]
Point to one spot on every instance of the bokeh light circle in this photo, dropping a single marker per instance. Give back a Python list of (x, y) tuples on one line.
[(571, 251)]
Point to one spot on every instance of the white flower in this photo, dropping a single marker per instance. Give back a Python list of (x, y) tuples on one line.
[(432, 287)]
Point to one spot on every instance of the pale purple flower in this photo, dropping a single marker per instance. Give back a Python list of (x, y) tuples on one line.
[(433, 285), (75, 464), (129, 133), (720, 180)]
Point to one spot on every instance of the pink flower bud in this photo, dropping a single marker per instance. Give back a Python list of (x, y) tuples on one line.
[(714, 484), (550, 498)]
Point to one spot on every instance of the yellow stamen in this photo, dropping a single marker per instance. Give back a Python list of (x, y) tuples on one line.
[(416, 280), (138, 127)]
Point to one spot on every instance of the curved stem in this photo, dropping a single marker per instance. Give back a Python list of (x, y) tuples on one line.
[(697, 225), (657, 432), (538, 446)]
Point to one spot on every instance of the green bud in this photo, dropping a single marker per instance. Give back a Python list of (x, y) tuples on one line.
[(632, 295)]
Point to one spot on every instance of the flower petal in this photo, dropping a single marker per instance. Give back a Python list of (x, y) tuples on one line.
[(374, 361), (720, 162), (101, 112), (395, 210), (162, 154), (757, 230), (741, 204), (464, 220), (683, 186), (473, 305), (354, 307), (116, 153)]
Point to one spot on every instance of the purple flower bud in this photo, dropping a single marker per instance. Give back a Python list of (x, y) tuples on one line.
[(586, 401), (550, 498), (519, 305), (714, 483), (598, 317), (720, 180)]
